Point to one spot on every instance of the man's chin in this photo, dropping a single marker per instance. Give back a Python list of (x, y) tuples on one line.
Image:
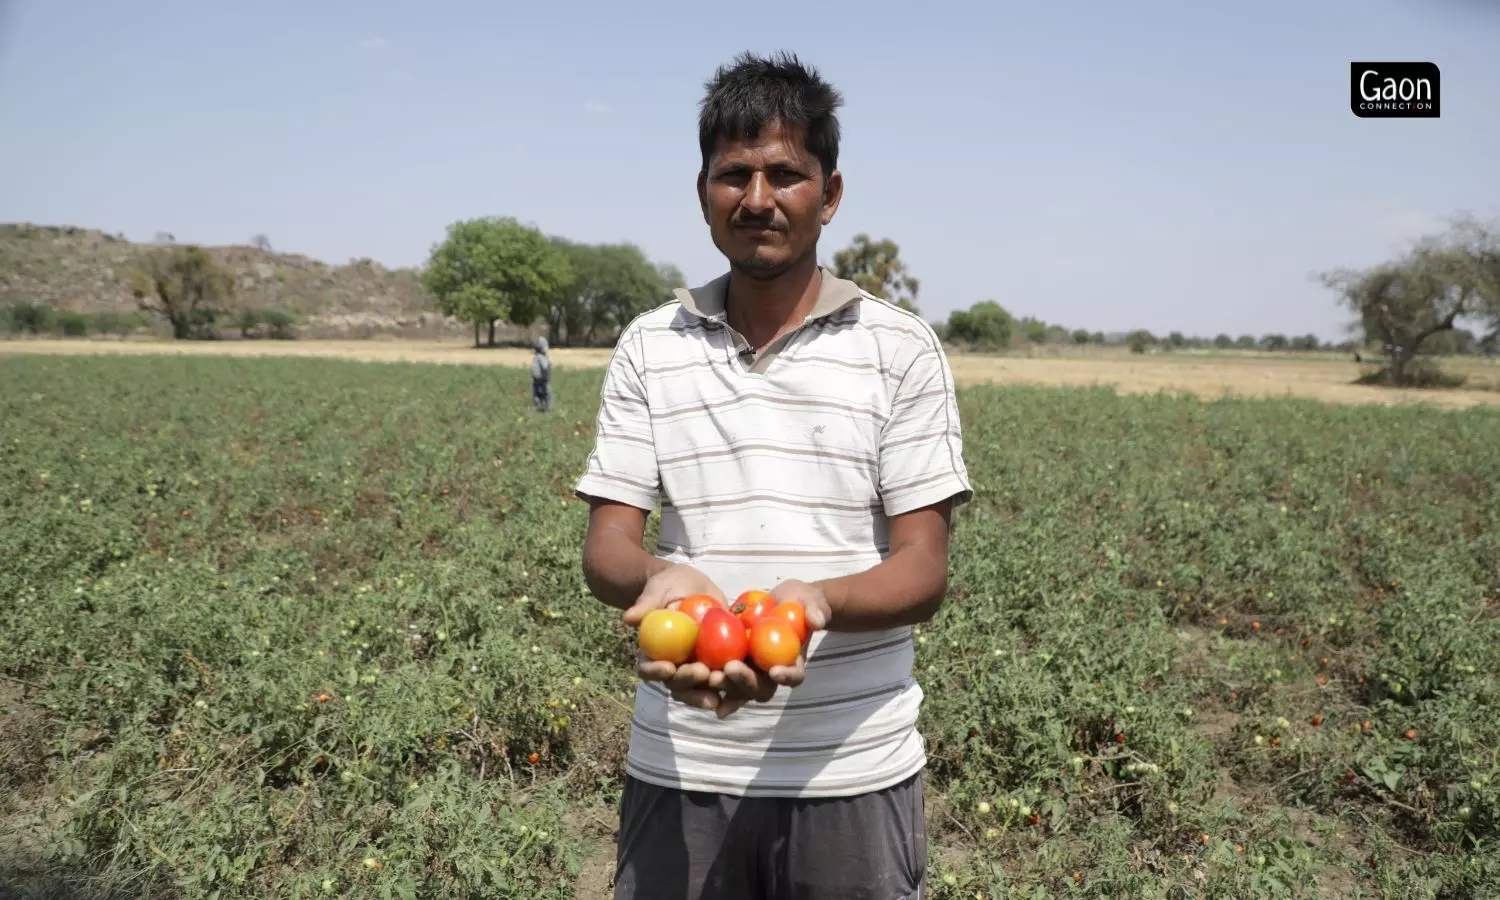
[(762, 266)]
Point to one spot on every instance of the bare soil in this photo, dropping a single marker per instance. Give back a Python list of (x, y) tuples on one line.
[(1326, 379)]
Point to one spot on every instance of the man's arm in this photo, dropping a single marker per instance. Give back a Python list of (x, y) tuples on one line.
[(907, 587), (616, 566)]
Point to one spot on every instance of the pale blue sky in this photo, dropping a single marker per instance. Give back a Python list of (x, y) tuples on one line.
[(1167, 165)]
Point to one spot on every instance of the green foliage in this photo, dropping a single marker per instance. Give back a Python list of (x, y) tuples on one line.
[(299, 614), (1140, 340), (1082, 336), (1441, 280), (1223, 341), (493, 269), (610, 285), (1273, 342), (186, 286), (877, 267), (70, 323), (29, 318), (1245, 342), (984, 326)]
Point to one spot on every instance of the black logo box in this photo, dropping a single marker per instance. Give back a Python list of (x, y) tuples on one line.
[(1395, 90)]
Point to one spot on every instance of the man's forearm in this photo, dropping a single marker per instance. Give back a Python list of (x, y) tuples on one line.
[(905, 589), (616, 567)]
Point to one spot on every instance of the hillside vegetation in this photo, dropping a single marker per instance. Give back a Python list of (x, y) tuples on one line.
[(88, 271)]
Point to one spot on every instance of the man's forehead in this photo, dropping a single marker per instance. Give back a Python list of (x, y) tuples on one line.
[(771, 142)]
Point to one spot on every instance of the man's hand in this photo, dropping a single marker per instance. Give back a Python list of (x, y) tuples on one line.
[(743, 682), (691, 683)]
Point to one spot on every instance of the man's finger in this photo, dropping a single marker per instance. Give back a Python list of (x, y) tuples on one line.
[(689, 676), (791, 676), (730, 705), (749, 682), (698, 698), (655, 670)]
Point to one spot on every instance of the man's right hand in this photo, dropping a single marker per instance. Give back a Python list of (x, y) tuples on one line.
[(691, 683)]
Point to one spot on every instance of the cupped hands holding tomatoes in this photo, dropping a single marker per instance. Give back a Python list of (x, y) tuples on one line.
[(716, 655)]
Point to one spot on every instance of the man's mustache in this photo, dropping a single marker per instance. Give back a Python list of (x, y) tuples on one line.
[(749, 222)]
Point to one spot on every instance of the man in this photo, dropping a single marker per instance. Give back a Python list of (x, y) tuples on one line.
[(801, 436), (541, 377)]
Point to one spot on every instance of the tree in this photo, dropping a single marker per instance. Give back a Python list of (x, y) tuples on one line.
[(1245, 342), (610, 285), (1140, 340), (1273, 342), (1441, 280), (184, 285), (878, 269), (1082, 336), (261, 242), (983, 326), (493, 269), (1306, 343), (1223, 341)]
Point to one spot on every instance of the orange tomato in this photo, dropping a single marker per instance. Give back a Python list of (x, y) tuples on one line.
[(697, 605), (752, 606), (793, 613), (721, 638), (773, 643), (668, 634)]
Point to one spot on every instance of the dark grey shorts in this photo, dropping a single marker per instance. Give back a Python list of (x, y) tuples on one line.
[(685, 845)]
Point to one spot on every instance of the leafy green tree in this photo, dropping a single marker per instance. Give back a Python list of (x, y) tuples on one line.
[(184, 285), (610, 285), (495, 269), (1223, 341), (877, 267), (1082, 336), (1306, 343), (1176, 339), (1273, 342), (1441, 280), (1140, 340), (983, 326)]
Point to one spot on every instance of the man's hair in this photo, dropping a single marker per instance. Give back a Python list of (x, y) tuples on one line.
[(755, 91)]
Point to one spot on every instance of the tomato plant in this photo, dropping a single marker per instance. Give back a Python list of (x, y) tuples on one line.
[(668, 634)]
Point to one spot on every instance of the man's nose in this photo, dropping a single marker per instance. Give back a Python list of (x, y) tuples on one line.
[(760, 197)]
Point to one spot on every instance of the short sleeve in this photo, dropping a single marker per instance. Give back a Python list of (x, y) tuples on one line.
[(622, 465), (921, 445)]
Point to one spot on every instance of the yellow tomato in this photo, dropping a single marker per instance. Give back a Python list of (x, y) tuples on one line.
[(668, 635)]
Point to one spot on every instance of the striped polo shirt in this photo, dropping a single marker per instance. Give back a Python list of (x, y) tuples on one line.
[(786, 465)]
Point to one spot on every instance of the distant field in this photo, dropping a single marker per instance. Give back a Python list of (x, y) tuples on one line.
[(308, 629), (1316, 376)]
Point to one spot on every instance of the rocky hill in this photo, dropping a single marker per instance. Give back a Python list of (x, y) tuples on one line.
[(88, 271)]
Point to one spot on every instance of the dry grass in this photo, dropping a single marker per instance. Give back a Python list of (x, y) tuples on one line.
[(1325, 378)]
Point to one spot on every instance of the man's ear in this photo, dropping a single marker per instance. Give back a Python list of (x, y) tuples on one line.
[(833, 192), (703, 192)]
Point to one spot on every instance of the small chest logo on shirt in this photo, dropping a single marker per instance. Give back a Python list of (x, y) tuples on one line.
[(818, 429)]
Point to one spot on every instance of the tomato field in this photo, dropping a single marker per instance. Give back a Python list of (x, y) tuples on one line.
[(307, 628)]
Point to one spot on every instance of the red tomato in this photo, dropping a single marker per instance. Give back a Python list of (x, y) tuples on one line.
[(773, 643), (752, 606), (721, 638), (795, 615), (697, 605)]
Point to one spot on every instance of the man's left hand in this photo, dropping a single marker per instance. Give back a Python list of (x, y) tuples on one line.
[(743, 682)]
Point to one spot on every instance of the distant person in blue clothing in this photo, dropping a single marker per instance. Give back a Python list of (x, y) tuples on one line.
[(541, 377)]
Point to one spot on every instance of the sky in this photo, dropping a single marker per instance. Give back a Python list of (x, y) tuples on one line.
[(1163, 165)]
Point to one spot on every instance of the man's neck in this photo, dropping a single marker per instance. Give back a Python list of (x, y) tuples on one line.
[(763, 310)]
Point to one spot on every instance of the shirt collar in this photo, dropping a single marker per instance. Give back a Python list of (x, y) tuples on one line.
[(707, 301)]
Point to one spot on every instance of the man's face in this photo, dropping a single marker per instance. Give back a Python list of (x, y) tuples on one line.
[(766, 201)]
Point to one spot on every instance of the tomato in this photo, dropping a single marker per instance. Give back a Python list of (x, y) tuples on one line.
[(721, 638), (699, 604), (752, 606), (668, 634), (773, 643), (793, 613)]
